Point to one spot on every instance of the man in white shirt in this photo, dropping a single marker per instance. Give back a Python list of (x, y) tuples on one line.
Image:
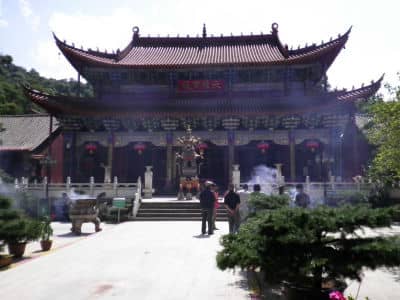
[(244, 199)]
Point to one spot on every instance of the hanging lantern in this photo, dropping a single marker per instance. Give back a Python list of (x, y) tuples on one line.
[(91, 148), (202, 147), (139, 147), (263, 146), (312, 145)]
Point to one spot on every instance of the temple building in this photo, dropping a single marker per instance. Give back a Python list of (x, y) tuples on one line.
[(250, 98)]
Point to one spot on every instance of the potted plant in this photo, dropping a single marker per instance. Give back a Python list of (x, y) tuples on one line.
[(5, 204), (311, 252), (15, 229), (5, 260), (19, 233), (46, 233)]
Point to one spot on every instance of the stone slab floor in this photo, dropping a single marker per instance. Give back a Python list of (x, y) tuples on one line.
[(133, 260)]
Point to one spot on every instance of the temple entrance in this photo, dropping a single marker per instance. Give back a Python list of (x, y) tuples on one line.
[(267, 154), (92, 155), (310, 161), (215, 165), (159, 163)]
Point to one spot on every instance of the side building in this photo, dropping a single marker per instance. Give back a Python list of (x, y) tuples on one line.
[(24, 147), (250, 98)]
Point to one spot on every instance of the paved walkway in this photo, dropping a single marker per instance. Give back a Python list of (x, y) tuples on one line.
[(133, 260)]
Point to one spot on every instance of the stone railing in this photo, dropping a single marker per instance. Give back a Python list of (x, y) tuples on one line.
[(131, 190)]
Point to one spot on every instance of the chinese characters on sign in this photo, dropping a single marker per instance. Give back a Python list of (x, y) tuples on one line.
[(200, 85)]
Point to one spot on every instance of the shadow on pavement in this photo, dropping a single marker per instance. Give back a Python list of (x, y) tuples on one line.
[(395, 272), (201, 236), (71, 234)]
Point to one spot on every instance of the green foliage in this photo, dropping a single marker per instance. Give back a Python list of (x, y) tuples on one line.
[(260, 201), (348, 198), (14, 227), (12, 98), (305, 247), (384, 133), (29, 204), (46, 230), (386, 136)]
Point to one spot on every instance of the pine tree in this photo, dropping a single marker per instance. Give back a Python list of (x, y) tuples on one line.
[(308, 247)]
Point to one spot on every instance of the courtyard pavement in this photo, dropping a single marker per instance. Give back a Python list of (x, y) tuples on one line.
[(148, 260), (132, 260)]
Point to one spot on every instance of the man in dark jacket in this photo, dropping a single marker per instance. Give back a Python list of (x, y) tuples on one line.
[(207, 199), (232, 203), (302, 199)]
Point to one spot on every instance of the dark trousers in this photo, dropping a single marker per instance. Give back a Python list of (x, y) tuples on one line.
[(233, 222), (207, 215)]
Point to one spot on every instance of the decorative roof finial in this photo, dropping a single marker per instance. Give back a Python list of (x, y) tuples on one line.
[(204, 30), (135, 31), (274, 27)]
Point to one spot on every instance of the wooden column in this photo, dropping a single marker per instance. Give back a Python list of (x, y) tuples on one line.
[(73, 156), (292, 154), (110, 153), (169, 160), (356, 168), (231, 153)]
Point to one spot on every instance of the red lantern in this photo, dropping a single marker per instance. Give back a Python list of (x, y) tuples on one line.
[(263, 146), (202, 147), (91, 148), (139, 147), (312, 145)]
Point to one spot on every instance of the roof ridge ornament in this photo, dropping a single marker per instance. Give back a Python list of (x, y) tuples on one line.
[(204, 30), (135, 31), (274, 28)]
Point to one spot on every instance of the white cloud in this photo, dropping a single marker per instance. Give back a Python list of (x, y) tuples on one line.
[(25, 7), (51, 63), (112, 31), (27, 12), (3, 23)]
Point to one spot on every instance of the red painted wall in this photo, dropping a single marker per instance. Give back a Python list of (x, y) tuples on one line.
[(57, 153)]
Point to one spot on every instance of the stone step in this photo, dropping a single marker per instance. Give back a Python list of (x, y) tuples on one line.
[(181, 210), (173, 214), (149, 219), (169, 205), (174, 204), (174, 211)]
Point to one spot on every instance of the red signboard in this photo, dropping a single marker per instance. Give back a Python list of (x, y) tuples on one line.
[(200, 85)]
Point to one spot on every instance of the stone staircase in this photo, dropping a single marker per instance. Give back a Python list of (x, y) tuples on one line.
[(174, 211)]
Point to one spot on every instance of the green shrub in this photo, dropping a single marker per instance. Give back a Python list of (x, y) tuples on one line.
[(348, 198), (46, 231), (306, 247), (15, 227), (260, 201)]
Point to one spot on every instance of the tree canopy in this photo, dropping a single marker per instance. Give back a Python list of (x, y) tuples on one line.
[(12, 98), (305, 247), (384, 133)]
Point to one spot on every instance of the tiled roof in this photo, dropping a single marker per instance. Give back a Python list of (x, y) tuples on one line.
[(361, 93), (24, 132), (165, 52), (253, 104)]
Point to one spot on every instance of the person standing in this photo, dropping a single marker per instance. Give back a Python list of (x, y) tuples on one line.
[(232, 203), (302, 199), (256, 194), (214, 189), (207, 200), (66, 203), (244, 205)]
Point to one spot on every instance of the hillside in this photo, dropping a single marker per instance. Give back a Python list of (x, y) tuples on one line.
[(12, 98)]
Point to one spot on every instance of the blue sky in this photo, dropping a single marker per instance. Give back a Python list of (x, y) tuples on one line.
[(373, 47)]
